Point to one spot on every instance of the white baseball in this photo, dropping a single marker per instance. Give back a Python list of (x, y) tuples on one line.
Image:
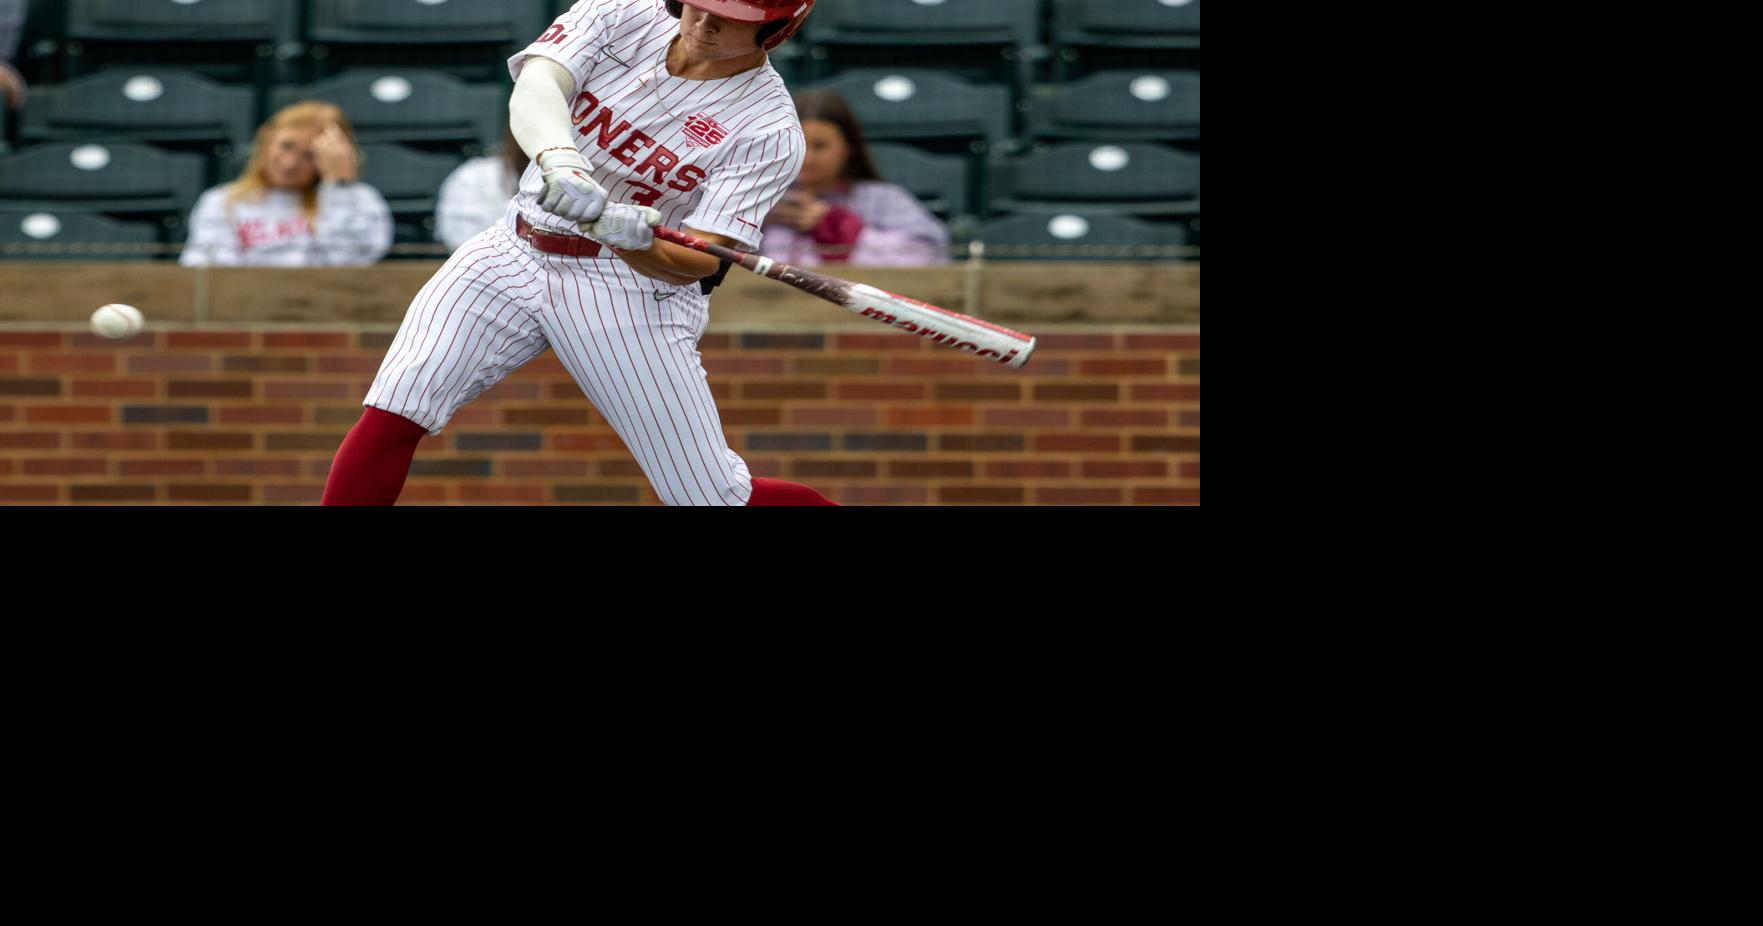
[(117, 321)]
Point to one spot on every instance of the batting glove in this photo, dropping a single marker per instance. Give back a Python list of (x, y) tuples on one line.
[(627, 228), (570, 191)]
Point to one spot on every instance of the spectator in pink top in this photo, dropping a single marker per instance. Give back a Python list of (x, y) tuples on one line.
[(840, 211)]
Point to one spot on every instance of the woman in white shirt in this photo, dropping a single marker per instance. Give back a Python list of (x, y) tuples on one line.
[(299, 203), (476, 195)]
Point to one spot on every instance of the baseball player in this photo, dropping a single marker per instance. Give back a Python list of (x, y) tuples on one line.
[(634, 112)]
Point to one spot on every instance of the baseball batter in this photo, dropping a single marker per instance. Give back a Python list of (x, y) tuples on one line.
[(634, 112)]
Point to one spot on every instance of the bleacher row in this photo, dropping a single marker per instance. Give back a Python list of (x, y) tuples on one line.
[(1041, 127)]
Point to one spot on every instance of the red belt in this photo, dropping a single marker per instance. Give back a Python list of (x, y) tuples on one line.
[(566, 245)]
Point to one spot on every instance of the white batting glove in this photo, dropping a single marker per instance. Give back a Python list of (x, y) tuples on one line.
[(627, 228), (570, 191)]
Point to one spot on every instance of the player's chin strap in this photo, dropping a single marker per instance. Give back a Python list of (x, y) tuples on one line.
[(714, 280)]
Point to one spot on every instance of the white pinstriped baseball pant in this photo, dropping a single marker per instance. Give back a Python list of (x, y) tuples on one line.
[(497, 304)]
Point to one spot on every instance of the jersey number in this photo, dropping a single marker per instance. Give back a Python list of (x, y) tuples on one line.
[(553, 34), (647, 194)]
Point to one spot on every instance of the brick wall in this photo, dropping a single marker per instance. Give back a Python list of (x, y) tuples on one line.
[(254, 416)]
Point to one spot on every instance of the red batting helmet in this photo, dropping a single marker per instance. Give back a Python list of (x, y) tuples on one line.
[(781, 17)]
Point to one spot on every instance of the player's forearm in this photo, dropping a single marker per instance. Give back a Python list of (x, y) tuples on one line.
[(538, 112), (671, 263)]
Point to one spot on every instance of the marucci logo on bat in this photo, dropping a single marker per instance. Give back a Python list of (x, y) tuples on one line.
[(937, 337)]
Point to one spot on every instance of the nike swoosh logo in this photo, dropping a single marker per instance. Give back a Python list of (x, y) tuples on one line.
[(661, 296)]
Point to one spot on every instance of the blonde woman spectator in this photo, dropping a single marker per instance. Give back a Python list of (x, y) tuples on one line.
[(299, 203)]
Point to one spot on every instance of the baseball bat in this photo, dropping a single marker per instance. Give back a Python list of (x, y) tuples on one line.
[(950, 329)]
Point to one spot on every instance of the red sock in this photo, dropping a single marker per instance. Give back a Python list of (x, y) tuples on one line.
[(779, 492), (374, 460)]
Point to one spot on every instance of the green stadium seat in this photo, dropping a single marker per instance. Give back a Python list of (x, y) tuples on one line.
[(1119, 105), (425, 109), (1091, 34), (931, 109), (411, 183), (167, 108), (5, 130), (1132, 178), (981, 40), (116, 179), (1080, 235), (466, 38), (71, 234), (940, 181), (230, 40)]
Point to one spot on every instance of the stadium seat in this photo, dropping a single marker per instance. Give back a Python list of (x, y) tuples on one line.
[(931, 109), (467, 38), (1089, 34), (424, 109), (5, 130), (118, 179), (169, 108), (1079, 235), (229, 40), (940, 181), (71, 234), (981, 40), (411, 183), (1132, 178), (1119, 106)]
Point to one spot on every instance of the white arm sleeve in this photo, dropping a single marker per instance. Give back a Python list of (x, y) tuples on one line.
[(538, 112), (211, 240)]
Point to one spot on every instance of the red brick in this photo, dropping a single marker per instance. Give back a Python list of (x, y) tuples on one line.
[(545, 366), (1028, 418), (1137, 469), (769, 467), (209, 389), (209, 440), (380, 341), (937, 366), (1076, 392), (305, 340), (624, 467), (359, 366), (978, 392), (145, 468), (543, 468), (72, 363), (476, 416), (8, 363), (508, 391), (930, 469), (1028, 469), (1165, 392), (30, 440), (258, 468), (1190, 470), (1064, 342), (69, 414), (712, 342), (1188, 367), (320, 442), (736, 416), (217, 494), (305, 391), (1124, 418), (66, 466), (722, 390), (1165, 496), (887, 342), (831, 417), (980, 443), (586, 442), (293, 494), (1163, 342), (861, 392), (262, 363), (836, 366), (208, 340), (10, 494), (1165, 443), (762, 389), (1143, 367), (1061, 496), (977, 495), (546, 417), (264, 414), (37, 339), (115, 388), (171, 363), (318, 469), (880, 495), (114, 494), (6, 467), (744, 366), (834, 469), (115, 440), (1187, 420), (566, 391), (931, 417), (493, 494), (423, 495), (1077, 443), (80, 340)]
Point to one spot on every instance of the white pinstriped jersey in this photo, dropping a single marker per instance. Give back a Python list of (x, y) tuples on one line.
[(712, 155)]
